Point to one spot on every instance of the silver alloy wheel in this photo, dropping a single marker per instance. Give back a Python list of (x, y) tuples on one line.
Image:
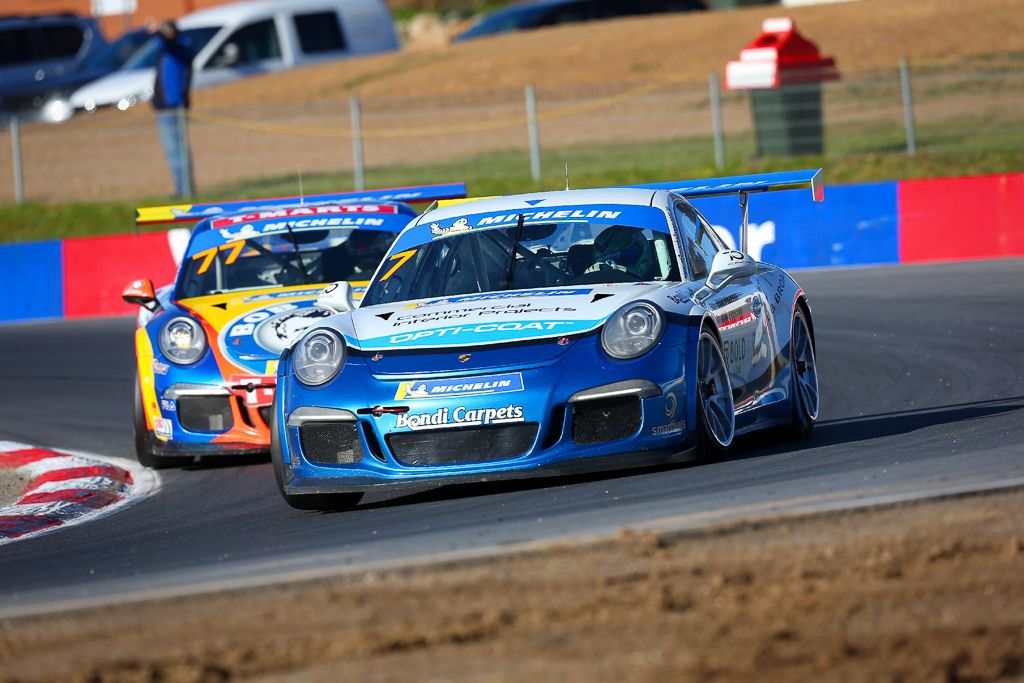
[(715, 391), (805, 368)]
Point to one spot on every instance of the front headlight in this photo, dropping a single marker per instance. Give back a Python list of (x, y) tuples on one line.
[(632, 331), (182, 341), (318, 357)]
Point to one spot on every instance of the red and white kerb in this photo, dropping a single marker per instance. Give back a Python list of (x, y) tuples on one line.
[(66, 489)]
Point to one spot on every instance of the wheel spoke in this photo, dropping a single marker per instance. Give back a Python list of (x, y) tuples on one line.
[(715, 392), (801, 343)]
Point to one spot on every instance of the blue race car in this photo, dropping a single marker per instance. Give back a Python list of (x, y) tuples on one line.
[(542, 334), (207, 346)]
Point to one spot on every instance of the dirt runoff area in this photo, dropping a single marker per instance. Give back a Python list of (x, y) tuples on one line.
[(925, 592)]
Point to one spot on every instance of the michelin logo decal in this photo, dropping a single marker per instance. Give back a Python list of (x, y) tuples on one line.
[(461, 225), (460, 417), (472, 386)]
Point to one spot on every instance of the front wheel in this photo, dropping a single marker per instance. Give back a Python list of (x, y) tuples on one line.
[(804, 382), (311, 501), (144, 451), (716, 414)]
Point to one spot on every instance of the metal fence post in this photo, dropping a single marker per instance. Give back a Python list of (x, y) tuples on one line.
[(716, 119), (357, 145), (19, 178), (531, 124), (908, 107)]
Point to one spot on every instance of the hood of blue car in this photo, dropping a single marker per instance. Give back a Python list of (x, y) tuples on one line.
[(454, 323)]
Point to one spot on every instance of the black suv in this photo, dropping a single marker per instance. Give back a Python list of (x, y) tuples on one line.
[(36, 51)]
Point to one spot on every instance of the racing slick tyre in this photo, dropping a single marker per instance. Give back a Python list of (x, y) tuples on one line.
[(716, 413), (311, 501), (144, 439), (804, 384)]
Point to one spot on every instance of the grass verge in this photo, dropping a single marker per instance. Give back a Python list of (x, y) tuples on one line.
[(508, 173)]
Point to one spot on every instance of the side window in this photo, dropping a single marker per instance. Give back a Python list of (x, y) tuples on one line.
[(697, 241), (320, 32), (16, 47), (62, 41), (249, 45)]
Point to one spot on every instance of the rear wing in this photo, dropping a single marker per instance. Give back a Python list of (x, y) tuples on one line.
[(183, 213), (744, 185)]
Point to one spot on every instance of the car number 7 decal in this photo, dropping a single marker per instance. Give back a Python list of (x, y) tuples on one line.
[(208, 254), (401, 258)]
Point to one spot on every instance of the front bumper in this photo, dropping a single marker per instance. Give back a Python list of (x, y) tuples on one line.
[(607, 463), (546, 398)]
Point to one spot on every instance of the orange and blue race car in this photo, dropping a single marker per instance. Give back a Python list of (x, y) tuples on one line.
[(207, 346)]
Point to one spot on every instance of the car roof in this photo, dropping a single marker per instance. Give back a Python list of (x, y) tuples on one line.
[(538, 200), (240, 11), (15, 20), (530, 5)]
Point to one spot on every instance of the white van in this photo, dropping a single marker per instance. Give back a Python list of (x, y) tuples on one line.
[(247, 38)]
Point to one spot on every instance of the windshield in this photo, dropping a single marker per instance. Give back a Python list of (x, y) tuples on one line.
[(548, 255), (147, 55), (116, 53), (315, 257)]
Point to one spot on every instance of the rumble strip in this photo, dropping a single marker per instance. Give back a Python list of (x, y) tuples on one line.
[(65, 489)]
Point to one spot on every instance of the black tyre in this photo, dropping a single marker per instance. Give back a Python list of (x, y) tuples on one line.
[(716, 412), (145, 450), (804, 377), (310, 501)]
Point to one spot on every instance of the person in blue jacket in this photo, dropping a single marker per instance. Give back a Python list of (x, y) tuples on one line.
[(171, 101)]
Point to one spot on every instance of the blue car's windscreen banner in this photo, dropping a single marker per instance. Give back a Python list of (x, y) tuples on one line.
[(855, 225)]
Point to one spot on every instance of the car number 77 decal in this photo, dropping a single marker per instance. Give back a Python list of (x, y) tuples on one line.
[(208, 255), (401, 258)]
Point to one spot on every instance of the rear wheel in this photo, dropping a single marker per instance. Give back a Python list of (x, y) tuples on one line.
[(804, 382), (310, 501), (716, 415), (144, 439)]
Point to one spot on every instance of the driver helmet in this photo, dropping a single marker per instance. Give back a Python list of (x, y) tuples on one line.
[(621, 247)]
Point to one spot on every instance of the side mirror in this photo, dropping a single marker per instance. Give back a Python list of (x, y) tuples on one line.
[(140, 293), (728, 265), (336, 298)]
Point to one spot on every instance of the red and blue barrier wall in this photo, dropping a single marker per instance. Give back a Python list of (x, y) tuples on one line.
[(907, 221)]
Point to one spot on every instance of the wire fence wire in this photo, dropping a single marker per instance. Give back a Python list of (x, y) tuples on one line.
[(111, 155)]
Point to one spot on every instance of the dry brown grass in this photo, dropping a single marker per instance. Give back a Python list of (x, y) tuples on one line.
[(860, 34), (927, 592)]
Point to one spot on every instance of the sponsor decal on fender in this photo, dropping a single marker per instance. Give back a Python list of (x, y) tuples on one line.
[(459, 417), (671, 428), (162, 427), (471, 386)]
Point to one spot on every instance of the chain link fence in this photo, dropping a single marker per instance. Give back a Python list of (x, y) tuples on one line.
[(974, 105)]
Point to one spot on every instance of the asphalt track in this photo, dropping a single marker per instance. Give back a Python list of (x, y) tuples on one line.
[(922, 372)]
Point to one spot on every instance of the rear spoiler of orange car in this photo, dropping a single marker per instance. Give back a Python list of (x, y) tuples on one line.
[(744, 185), (184, 213)]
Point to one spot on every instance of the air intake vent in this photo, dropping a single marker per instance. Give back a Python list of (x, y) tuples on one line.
[(608, 419), (208, 414), (331, 443), (459, 446)]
